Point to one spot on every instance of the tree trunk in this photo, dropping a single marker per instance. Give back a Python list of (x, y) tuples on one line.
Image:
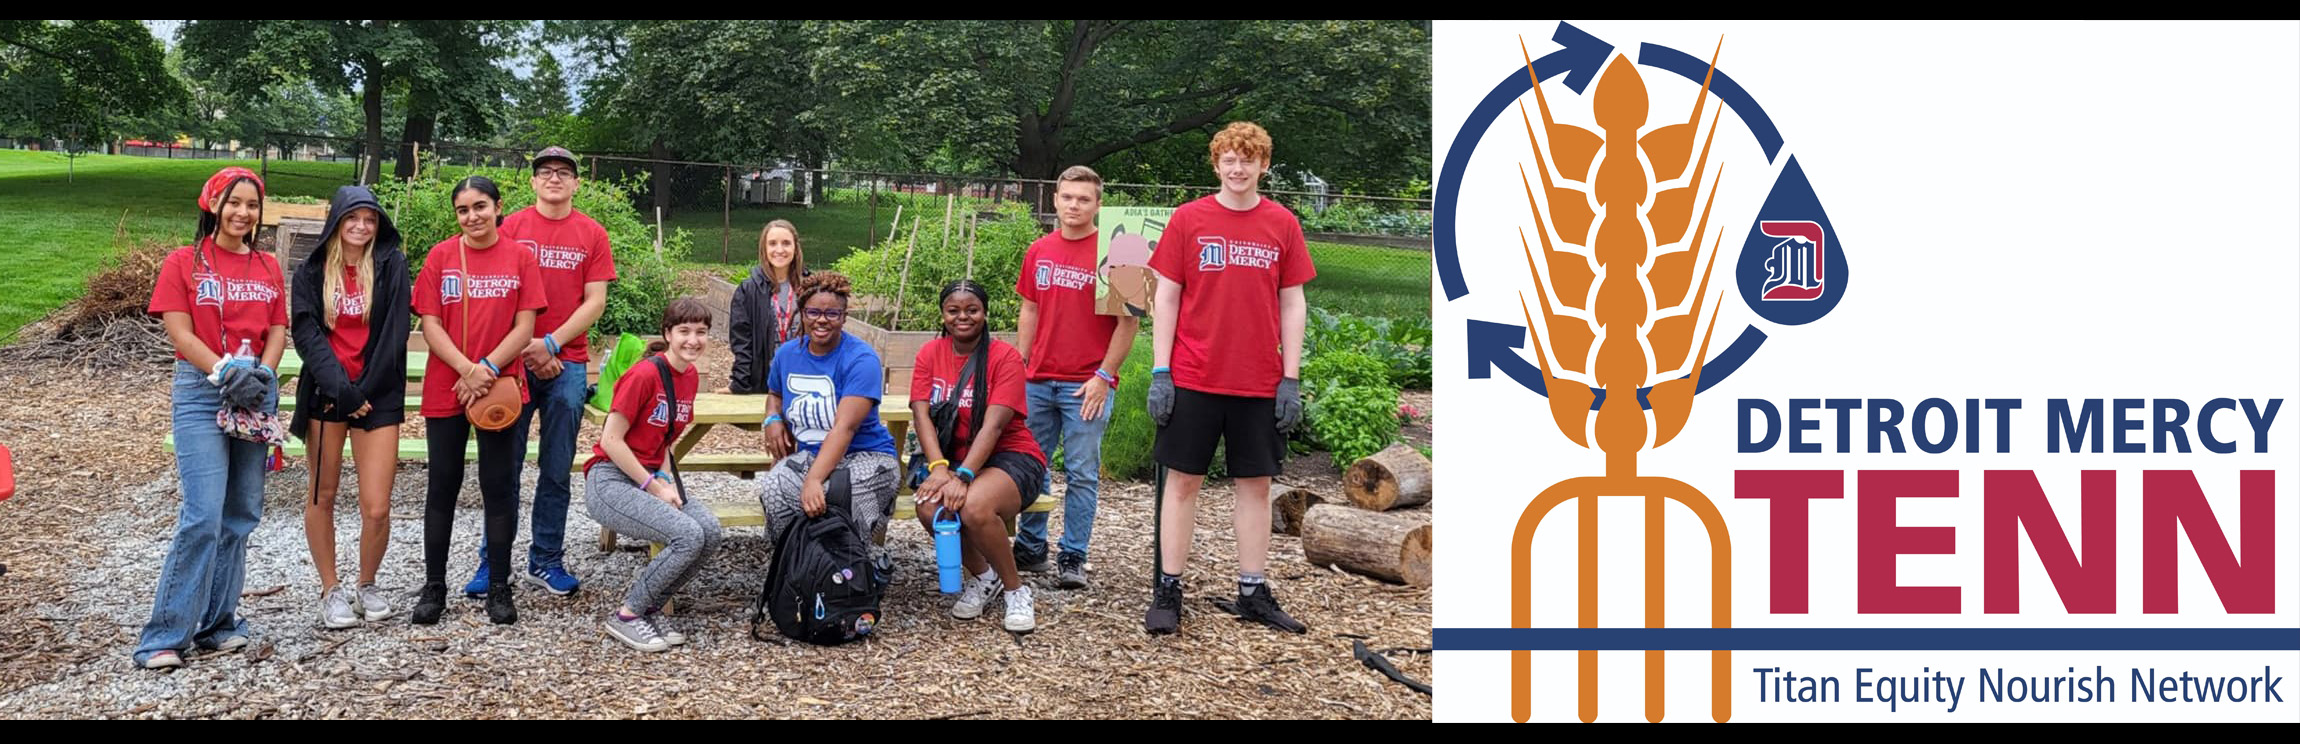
[(371, 105), (1287, 505), (659, 181), (1393, 478), (817, 182), (1391, 547), (418, 131)]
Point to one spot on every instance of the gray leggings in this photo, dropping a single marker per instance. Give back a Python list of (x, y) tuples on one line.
[(871, 476), (688, 534)]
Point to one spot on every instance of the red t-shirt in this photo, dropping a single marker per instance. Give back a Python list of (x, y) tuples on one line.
[(573, 252), (501, 280), (1231, 265), (938, 370), (639, 397), (349, 336), (1071, 339), (230, 297)]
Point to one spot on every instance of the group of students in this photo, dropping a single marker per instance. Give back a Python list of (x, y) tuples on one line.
[(508, 302)]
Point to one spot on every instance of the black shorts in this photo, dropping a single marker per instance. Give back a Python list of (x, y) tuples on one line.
[(1026, 471), (1247, 428)]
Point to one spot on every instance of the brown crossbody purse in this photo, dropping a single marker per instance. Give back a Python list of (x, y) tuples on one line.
[(499, 408)]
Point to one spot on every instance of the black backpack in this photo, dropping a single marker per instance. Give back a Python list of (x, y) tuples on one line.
[(820, 588)]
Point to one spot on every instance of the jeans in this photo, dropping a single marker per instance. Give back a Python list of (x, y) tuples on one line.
[(1054, 418), (499, 458), (561, 402), (222, 480)]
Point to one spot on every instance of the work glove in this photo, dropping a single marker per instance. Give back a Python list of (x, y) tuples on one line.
[(246, 387), (1289, 405), (1161, 396)]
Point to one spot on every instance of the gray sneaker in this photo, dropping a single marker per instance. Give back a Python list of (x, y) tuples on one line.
[(636, 632), (1070, 571), (335, 609), (372, 604), (664, 630)]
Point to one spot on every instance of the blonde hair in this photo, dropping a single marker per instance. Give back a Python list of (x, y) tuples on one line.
[(1243, 137), (332, 279), (798, 252)]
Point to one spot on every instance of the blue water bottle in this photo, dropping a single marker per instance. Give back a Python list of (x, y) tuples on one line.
[(946, 551)]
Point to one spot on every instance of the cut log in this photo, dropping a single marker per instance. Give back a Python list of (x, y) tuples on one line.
[(1390, 547), (1393, 478), (1287, 504)]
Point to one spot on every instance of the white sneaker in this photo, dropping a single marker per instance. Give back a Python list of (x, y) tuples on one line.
[(164, 660), (1021, 610), (372, 604), (974, 596), (335, 609)]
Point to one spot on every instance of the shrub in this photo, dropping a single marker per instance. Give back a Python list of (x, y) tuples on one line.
[(424, 212), (1345, 368), (1352, 422), (1001, 236)]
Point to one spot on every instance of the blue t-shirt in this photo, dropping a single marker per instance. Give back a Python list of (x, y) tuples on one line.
[(811, 387)]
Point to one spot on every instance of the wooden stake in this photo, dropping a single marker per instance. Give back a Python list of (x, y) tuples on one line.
[(904, 288), (949, 209), (972, 223)]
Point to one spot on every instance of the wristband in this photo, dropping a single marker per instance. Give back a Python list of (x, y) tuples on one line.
[(938, 463), (1106, 376), (964, 475), (551, 342), (772, 420), (1156, 370), (491, 368), (648, 482)]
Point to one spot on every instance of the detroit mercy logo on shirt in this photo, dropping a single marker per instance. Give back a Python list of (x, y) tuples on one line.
[(941, 392), (451, 285), (208, 291), (556, 256), (811, 407), (662, 413), (1050, 275)]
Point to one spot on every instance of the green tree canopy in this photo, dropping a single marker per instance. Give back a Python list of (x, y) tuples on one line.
[(87, 79)]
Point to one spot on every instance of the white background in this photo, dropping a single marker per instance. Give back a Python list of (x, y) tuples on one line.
[(2031, 211)]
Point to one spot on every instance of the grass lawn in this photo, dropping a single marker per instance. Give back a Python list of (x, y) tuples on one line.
[(1363, 280), (54, 233), (827, 232)]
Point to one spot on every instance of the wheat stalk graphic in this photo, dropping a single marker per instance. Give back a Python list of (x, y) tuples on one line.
[(1622, 269)]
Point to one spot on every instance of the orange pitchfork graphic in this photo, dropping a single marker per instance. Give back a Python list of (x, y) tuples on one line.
[(1614, 332)]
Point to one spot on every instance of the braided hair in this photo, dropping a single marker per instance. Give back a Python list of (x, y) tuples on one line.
[(827, 281), (968, 286)]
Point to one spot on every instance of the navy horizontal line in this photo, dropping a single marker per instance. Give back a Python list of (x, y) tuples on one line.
[(1866, 639)]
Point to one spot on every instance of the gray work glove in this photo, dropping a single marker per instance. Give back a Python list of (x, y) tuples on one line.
[(247, 387), (1161, 397), (1289, 405)]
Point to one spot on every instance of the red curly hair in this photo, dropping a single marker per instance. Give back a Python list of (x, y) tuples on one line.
[(1243, 137)]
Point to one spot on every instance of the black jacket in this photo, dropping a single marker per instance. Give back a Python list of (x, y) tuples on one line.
[(323, 391), (752, 333)]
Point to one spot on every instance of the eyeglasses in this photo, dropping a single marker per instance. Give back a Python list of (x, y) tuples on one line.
[(555, 174), (820, 314)]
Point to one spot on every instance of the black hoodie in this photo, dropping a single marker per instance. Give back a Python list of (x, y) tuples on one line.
[(751, 332), (323, 391)]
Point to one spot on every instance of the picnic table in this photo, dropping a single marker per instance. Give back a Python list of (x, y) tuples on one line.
[(749, 412)]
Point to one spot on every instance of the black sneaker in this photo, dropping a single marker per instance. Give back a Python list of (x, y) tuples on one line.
[(1262, 607), (1165, 615), (1070, 570), (499, 609), (1031, 561), (430, 603)]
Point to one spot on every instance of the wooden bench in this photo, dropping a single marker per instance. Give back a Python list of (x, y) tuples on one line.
[(750, 514), (409, 449)]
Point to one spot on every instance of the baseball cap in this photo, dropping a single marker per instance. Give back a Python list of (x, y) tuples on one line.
[(556, 153)]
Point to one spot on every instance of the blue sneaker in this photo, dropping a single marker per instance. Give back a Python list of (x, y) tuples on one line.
[(553, 578), (477, 589)]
